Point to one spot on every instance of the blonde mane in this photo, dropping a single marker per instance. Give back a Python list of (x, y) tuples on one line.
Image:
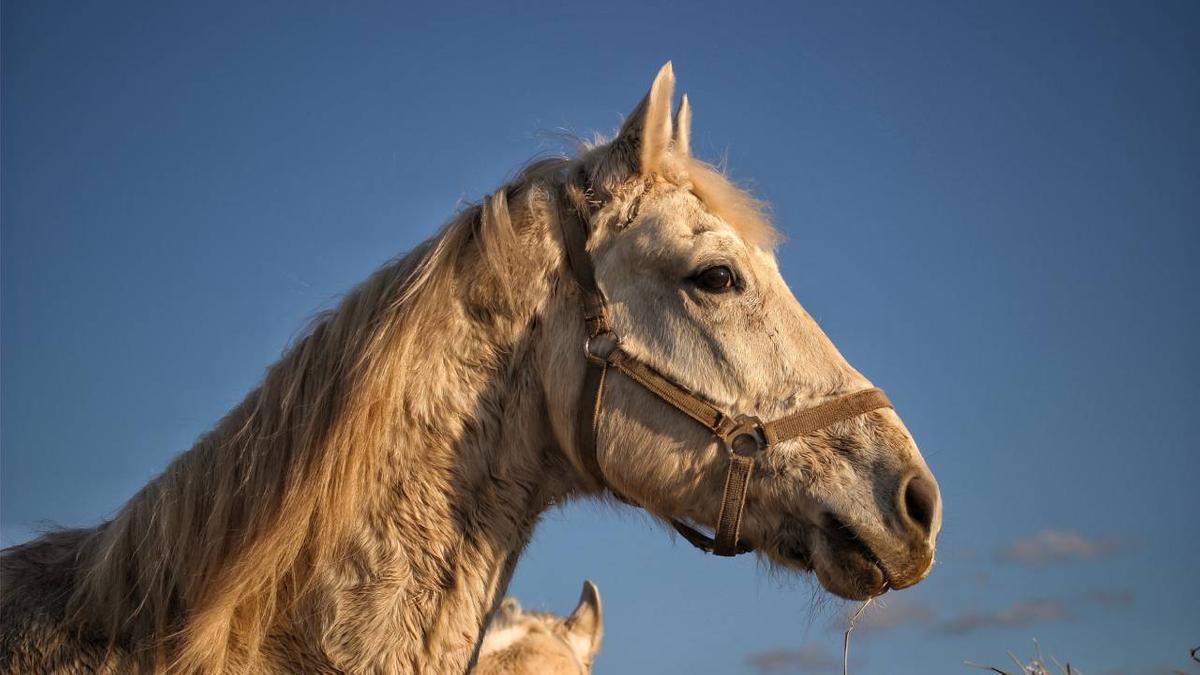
[(229, 529), (197, 566)]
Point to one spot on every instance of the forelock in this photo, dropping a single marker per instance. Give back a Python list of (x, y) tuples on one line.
[(612, 178)]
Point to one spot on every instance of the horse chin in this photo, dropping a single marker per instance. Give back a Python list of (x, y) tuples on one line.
[(844, 564), (851, 576)]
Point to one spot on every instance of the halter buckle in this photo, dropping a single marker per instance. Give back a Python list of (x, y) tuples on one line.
[(745, 436), (600, 347)]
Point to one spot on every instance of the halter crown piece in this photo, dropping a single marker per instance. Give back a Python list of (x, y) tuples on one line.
[(745, 437)]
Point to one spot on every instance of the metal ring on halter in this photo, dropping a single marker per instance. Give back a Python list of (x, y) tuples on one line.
[(599, 348), (745, 437)]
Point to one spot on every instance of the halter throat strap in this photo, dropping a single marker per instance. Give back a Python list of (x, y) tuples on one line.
[(743, 437)]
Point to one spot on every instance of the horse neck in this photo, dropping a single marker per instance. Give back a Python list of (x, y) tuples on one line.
[(456, 489), (365, 507), (447, 519)]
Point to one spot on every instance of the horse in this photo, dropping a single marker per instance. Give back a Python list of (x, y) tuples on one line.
[(518, 642), (609, 324)]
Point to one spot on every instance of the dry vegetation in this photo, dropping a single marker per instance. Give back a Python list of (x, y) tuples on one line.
[(1039, 666), (1036, 666)]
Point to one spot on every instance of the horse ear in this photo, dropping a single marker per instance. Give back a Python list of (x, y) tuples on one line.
[(585, 626), (682, 143), (507, 613), (648, 128)]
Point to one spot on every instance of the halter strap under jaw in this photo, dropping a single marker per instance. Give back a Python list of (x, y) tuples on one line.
[(744, 437)]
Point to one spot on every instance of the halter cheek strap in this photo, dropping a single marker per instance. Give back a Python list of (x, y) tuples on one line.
[(744, 437)]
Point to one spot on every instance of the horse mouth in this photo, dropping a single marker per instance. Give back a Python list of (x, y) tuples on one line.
[(843, 561), (854, 570)]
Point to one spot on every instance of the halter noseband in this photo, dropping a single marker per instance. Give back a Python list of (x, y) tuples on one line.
[(745, 437)]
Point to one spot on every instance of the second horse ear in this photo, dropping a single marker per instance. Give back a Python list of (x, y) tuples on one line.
[(648, 128), (681, 144), (585, 626), (508, 613)]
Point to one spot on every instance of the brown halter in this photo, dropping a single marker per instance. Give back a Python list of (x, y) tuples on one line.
[(745, 437)]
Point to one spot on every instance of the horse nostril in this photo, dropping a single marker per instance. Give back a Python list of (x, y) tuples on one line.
[(920, 503)]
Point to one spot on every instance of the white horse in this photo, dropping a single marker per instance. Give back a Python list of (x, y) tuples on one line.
[(363, 509)]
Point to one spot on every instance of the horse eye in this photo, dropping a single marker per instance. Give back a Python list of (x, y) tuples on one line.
[(715, 279)]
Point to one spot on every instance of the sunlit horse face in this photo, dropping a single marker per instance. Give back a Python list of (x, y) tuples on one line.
[(695, 291)]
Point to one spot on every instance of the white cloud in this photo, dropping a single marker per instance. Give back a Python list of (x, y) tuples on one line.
[(1050, 546)]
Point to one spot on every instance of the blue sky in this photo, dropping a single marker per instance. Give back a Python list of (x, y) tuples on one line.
[(992, 208)]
